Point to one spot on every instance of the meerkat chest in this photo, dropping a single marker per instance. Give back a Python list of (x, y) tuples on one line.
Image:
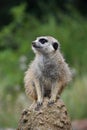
[(49, 69)]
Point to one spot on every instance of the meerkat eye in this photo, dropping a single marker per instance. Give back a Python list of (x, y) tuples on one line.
[(42, 40), (55, 45)]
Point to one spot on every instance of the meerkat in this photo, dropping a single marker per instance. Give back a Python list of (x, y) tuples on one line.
[(48, 74)]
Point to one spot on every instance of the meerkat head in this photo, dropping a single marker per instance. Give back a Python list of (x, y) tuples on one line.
[(45, 45)]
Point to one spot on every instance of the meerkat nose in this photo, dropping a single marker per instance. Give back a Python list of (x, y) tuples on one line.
[(33, 43)]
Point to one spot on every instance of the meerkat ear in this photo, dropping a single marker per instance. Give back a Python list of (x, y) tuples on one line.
[(55, 45)]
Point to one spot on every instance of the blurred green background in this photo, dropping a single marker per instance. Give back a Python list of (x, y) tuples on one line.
[(21, 21)]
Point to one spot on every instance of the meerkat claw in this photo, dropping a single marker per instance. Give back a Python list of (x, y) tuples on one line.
[(51, 102), (39, 104)]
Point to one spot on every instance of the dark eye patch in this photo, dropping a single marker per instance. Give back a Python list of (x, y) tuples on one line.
[(42, 40)]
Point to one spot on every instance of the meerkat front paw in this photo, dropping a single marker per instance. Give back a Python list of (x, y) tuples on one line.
[(39, 104), (51, 102)]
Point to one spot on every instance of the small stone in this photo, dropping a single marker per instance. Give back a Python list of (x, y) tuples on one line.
[(25, 121), (24, 112)]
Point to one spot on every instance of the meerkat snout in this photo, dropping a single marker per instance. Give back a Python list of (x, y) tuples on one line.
[(33, 43)]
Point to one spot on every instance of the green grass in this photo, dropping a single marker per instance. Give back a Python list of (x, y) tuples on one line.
[(75, 98)]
